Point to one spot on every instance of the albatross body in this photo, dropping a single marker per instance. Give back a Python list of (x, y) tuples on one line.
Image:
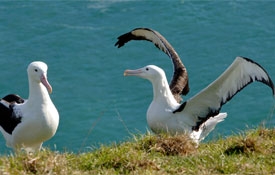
[(199, 115), (26, 124)]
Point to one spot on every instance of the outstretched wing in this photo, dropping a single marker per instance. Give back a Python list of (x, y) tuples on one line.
[(209, 101), (179, 83)]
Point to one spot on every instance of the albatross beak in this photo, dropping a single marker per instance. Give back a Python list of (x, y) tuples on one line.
[(45, 82), (132, 72)]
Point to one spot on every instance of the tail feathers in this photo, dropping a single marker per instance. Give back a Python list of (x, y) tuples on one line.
[(207, 127)]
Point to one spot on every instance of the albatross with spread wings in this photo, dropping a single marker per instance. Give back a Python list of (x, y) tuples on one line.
[(199, 115)]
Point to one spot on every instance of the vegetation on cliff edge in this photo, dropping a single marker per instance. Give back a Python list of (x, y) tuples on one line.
[(252, 152)]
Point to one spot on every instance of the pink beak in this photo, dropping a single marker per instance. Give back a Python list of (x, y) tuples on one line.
[(132, 72), (45, 82)]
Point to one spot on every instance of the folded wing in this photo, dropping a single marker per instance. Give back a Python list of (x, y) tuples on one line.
[(8, 120)]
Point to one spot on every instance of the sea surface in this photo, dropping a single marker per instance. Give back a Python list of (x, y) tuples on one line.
[(97, 104)]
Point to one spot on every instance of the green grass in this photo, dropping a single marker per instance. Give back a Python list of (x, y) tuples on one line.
[(252, 152)]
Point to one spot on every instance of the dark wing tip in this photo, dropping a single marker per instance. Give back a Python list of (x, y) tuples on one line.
[(122, 39), (267, 82)]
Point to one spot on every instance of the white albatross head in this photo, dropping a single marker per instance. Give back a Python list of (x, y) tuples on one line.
[(150, 72), (37, 72)]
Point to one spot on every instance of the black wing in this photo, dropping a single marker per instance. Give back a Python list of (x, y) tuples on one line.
[(8, 119), (11, 98)]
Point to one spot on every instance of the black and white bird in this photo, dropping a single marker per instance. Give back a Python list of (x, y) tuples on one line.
[(199, 115), (26, 124)]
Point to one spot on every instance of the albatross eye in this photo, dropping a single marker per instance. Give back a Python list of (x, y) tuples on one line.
[(147, 69), (35, 70)]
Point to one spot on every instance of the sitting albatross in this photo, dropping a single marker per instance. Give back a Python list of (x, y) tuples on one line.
[(26, 124), (199, 115)]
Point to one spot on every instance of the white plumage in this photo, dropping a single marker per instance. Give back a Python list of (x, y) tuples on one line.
[(199, 115), (26, 124)]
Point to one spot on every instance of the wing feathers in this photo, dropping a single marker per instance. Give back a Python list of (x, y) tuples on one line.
[(8, 120), (13, 98), (209, 101), (179, 83)]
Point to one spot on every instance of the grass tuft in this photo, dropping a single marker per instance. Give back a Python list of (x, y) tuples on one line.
[(242, 146), (170, 145)]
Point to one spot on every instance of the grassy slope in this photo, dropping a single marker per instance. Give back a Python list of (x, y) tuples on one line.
[(250, 153)]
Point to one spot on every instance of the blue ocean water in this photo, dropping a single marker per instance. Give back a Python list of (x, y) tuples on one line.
[(97, 105)]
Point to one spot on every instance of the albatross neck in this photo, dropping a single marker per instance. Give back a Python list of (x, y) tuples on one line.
[(162, 91), (37, 93)]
